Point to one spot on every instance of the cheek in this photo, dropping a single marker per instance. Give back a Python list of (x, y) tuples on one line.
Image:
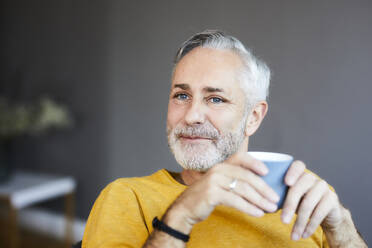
[(175, 114), (223, 121)]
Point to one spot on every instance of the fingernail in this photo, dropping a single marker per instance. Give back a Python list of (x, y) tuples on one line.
[(272, 207), (286, 218), (275, 198), (295, 236), (306, 235), (290, 181), (259, 213), (264, 169)]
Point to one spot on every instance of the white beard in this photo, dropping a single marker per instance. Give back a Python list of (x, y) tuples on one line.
[(202, 156)]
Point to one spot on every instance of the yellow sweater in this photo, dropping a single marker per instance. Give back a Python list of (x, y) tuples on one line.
[(123, 213)]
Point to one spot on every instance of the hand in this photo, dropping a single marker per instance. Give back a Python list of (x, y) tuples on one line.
[(251, 195), (315, 203)]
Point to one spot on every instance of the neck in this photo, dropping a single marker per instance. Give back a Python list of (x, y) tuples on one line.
[(188, 177)]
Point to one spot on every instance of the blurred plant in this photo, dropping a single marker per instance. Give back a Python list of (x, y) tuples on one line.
[(36, 119)]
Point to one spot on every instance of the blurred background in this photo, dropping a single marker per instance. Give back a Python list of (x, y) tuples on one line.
[(84, 89)]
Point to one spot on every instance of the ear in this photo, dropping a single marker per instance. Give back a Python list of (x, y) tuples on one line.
[(255, 117)]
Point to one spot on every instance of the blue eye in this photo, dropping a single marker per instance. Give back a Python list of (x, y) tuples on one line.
[(181, 96), (216, 100)]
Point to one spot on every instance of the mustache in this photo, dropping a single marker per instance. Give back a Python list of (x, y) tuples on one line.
[(206, 131)]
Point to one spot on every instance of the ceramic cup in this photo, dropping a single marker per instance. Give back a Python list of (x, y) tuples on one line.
[(278, 165)]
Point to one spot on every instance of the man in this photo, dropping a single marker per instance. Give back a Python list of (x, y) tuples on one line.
[(217, 101)]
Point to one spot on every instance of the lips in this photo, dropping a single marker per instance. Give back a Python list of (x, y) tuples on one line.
[(194, 137)]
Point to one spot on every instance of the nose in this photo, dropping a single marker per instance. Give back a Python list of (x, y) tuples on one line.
[(195, 114)]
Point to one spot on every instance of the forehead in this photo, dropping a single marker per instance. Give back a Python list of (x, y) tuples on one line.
[(207, 67)]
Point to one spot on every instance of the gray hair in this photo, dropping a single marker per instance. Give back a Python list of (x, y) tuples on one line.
[(254, 77)]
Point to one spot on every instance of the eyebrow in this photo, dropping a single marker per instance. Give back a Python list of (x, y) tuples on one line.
[(182, 86), (212, 89), (206, 89)]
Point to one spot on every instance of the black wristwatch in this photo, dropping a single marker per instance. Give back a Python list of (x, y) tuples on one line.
[(161, 226)]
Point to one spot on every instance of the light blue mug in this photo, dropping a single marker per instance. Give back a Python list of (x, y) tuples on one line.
[(278, 165)]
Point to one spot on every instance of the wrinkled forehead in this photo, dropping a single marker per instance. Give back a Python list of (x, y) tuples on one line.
[(207, 67)]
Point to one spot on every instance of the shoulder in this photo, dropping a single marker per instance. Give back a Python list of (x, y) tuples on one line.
[(118, 209), (160, 177), (130, 186)]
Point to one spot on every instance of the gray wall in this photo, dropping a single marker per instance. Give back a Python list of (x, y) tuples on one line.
[(111, 62), (59, 48)]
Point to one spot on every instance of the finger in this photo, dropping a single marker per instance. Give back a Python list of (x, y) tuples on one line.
[(320, 212), (246, 191), (307, 206), (247, 161), (230, 199), (296, 169), (295, 194), (236, 172)]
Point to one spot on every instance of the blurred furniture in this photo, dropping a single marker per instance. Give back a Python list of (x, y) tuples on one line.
[(77, 245), (25, 189)]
